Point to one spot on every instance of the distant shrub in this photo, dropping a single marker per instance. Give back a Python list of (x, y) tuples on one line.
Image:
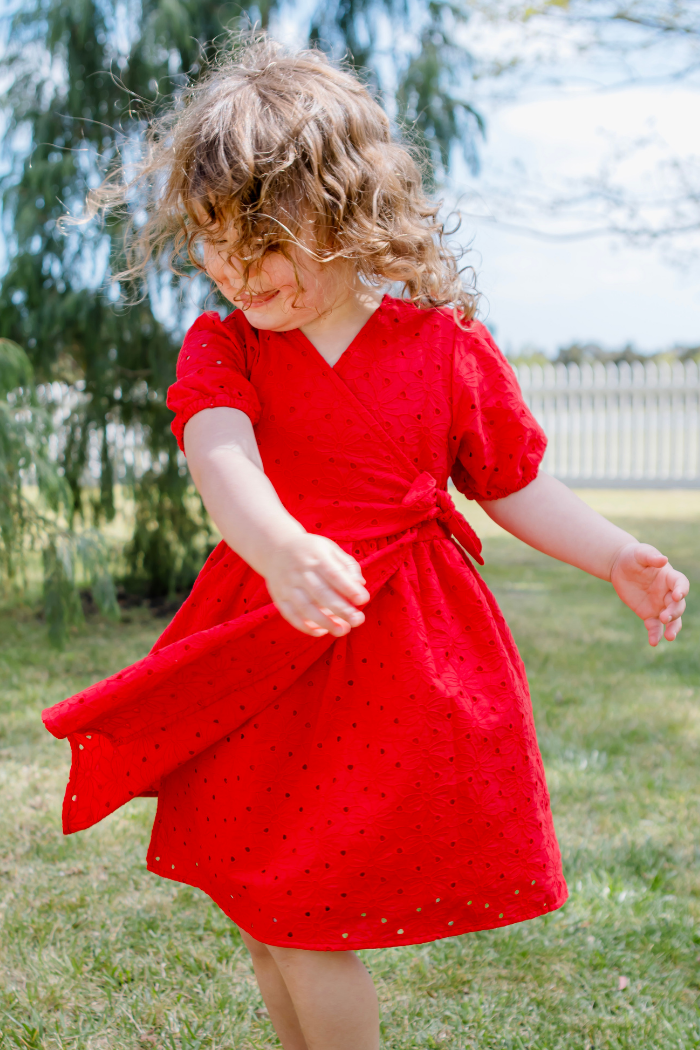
[(590, 353), (33, 498)]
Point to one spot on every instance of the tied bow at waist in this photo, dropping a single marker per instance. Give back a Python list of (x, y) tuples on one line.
[(425, 494)]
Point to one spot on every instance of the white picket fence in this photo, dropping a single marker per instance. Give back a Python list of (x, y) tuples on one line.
[(608, 425), (620, 425)]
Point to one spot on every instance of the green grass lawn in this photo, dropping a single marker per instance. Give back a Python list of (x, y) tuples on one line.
[(97, 953)]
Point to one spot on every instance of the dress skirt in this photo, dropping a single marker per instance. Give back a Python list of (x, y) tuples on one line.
[(383, 788)]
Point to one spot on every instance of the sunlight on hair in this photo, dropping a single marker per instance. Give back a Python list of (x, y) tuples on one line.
[(266, 143)]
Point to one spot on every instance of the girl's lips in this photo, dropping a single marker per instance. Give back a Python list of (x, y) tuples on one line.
[(260, 300)]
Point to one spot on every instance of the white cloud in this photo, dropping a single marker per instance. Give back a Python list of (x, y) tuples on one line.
[(550, 293)]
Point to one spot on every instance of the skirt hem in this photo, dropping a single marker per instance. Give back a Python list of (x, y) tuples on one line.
[(352, 943)]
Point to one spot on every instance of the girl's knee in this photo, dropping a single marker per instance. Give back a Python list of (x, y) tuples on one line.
[(257, 949)]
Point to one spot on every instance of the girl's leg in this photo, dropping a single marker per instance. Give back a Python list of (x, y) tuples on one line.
[(275, 995), (331, 993)]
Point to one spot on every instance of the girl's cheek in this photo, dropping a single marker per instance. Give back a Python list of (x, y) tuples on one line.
[(223, 273), (213, 270), (277, 273)]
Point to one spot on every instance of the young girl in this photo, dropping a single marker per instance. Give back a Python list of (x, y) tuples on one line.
[(337, 722)]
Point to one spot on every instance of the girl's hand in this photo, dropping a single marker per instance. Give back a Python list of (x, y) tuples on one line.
[(316, 586), (652, 588)]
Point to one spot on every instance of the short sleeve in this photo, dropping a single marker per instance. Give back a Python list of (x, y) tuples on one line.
[(499, 444), (212, 372)]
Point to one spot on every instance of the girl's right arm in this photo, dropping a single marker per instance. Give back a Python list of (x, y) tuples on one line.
[(315, 585)]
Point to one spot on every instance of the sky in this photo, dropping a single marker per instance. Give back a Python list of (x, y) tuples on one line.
[(551, 129), (546, 294)]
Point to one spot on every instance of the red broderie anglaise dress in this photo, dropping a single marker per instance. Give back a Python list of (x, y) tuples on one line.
[(384, 788)]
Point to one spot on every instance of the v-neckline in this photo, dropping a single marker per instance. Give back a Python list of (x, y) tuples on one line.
[(351, 345)]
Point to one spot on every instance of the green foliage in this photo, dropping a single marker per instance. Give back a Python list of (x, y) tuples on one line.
[(428, 100), (580, 353), (82, 73), (15, 367), (63, 553), (33, 524), (171, 537), (589, 353), (25, 430)]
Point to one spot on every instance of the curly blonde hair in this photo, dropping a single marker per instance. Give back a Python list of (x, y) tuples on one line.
[(269, 138)]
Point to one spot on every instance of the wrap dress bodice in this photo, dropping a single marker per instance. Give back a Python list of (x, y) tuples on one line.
[(382, 788)]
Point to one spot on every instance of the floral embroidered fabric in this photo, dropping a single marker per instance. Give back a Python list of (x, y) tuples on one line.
[(384, 788)]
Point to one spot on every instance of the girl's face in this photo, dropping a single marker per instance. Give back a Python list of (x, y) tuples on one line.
[(273, 302)]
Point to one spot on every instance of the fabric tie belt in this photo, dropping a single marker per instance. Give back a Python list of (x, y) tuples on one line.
[(424, 494)]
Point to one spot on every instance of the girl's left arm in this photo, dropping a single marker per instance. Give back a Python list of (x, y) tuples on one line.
[(550, 517)]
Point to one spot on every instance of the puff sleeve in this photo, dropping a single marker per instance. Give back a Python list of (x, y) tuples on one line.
[(212, 372), (499, 444)]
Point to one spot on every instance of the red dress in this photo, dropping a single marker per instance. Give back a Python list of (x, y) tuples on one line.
[(384, 788)]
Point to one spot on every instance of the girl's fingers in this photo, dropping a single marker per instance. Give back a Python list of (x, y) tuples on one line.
[(658, 630), (327, 598), (655, 630), (321, 597), (679, 585), (290, 614), (672, 611), (344, 582), (312, 624), (353, 567), (311, 613)]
